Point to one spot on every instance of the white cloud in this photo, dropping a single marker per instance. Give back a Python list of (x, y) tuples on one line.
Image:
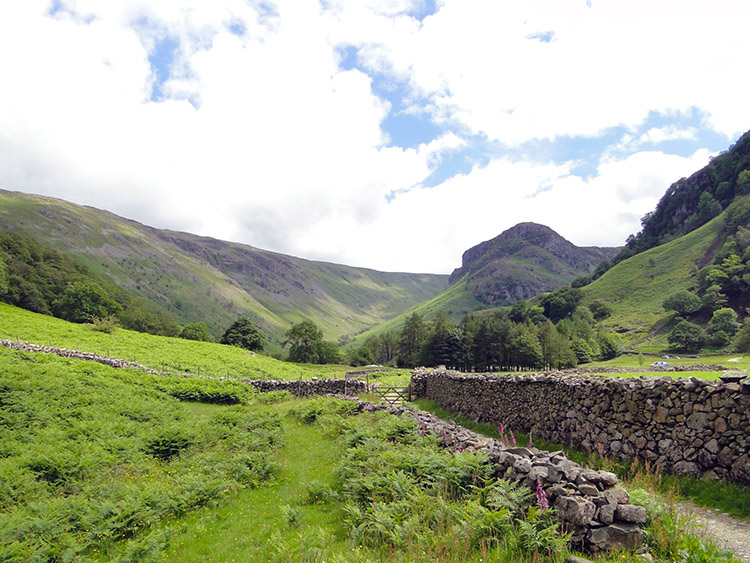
[(607, 65), (263, 137)]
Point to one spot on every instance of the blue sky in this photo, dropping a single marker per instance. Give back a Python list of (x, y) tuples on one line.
[(391, 134)]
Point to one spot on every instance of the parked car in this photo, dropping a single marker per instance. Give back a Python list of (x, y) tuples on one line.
[(660, 365)]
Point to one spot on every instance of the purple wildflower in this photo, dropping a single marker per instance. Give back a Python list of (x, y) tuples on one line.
[(512, 438), (500, 428), (541, 496), (505, 440), (531, 442), (445, 439)]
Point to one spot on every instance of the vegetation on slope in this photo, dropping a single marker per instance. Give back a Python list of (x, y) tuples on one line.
[(200, 279), (174, 355)]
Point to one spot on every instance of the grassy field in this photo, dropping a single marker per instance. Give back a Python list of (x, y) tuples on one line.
[(105, 464), (174, 355)]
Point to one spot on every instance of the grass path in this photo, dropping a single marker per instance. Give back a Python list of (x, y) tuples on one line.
[(256, 524)]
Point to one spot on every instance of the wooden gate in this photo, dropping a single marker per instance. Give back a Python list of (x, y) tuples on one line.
[(393, 395)]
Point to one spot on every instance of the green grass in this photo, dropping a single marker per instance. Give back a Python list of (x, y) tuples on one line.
[(255, 524), (101, 464), (174, 355), (94, 458), (637, 287)]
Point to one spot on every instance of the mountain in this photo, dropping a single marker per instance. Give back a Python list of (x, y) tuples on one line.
[(204, 279), (522, 262)]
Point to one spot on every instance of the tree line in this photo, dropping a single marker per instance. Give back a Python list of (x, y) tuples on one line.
[(557, 333)]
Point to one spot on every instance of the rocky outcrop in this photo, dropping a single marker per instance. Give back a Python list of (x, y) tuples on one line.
[(685, 425)]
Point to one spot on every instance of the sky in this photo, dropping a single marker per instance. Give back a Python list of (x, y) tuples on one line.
[(388, 134)]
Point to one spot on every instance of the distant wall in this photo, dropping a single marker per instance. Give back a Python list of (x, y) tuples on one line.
[(309, 387), (686, 425)]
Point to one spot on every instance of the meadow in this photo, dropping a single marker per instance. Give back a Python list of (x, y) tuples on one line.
[(106, 464)]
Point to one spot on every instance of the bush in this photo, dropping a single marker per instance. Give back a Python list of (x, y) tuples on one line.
[(168, 444)]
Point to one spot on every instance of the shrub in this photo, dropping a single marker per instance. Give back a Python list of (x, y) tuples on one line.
[(168, 444)]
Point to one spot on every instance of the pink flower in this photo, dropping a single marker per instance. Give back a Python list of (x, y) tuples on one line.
[(541, 496), (512, 438), (500, 428), (505, 440), (531, 443)]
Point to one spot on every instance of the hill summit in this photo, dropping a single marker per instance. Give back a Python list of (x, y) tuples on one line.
[(524, 261)]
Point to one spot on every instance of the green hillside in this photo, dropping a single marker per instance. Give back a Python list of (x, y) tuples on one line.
[(203, 279), (637, 287), (163, 353)]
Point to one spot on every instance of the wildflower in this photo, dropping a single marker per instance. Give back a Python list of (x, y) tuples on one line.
[(512, 438), (505, 440), (531, 442), (541, 496), (500, 428)]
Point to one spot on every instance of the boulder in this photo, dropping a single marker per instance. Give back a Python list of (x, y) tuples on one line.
[(616, 537), (576, 510)]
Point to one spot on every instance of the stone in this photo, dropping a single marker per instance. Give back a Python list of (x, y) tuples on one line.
[(740, 471), (588, 489), (616, 537), (720, 425), (697, 421), (617, 495), (606, 514), (687, 468), (522, 465), (712, 446), (631, 513), (733, 376), (576, 510)]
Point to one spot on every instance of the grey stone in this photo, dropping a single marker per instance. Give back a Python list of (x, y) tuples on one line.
[(740, 471), (616, 537), (631, 513), (576, 510), (588, 489), (606, 514)]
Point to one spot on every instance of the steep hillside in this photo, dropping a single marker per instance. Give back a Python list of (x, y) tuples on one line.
[(522, 262), (203, 279), (692, 202)]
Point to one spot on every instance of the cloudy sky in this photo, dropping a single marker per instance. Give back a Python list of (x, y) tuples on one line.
[(391, 134)]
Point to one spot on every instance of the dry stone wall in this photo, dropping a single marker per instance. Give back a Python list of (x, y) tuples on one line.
[(685, 425), (591, 505), (310, 387)]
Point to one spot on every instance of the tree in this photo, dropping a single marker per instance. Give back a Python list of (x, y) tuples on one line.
[(724, 320), (687, 337), (244, 334), (600, 309), (528, 351), (742, 338), (83, 301), (196, 331), (327, 352), (303, 340), (410, 340), (561, 303), (610, 345), (684, 302)]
